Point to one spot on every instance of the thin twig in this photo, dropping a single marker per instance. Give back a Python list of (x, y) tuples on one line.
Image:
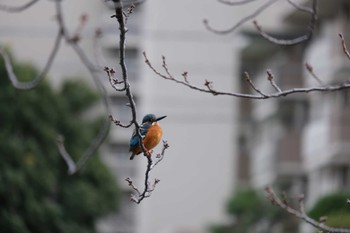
[(250, 82), (129, 11), (330, 88), (209, 85), (122, 32), (96, 143), (300, 8), (148, 187), (296, 40), (77, 34), (301, 213), (118, 123), (161, 155), (311, 71), (274, 40), (156, 181), (131, 184), (114, 81), (242, 21), (272, 82), (235, 3), (165, 66), (17, 9), (345, 49), (184, 75), (65, 155), (301, 199)]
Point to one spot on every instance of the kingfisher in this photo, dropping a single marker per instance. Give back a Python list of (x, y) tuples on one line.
[(151, 133)]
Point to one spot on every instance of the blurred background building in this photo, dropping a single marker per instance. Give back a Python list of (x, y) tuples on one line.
[(298, 138), (299, 142)]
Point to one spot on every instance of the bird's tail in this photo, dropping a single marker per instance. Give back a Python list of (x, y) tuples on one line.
[(132, 155)]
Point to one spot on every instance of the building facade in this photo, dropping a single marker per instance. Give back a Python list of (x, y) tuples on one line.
[(298, 143)]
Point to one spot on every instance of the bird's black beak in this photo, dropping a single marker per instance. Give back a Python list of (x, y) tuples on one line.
[(160, 118)]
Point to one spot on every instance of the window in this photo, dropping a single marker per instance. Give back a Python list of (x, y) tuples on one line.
[(131, 61), (344, 176), (344, 98), (294, 113)]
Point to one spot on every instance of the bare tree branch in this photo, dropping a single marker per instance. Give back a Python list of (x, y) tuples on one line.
[(345, 49), (336, 87), (242, 21), (77, 34), (161, 155), (148, 188), (31, 84), (300, 8), (311, 71), (96, 143), (296, 40), (300, 213), (17, 9), (65, 155), (250, 82), (274, 40), (235, 3), (119, 15), (118, 123), (131, 184), (114, 81), (312, 11), (95, 74), (272, 82)]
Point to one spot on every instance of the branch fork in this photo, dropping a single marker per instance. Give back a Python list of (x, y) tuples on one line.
[(300, 212)]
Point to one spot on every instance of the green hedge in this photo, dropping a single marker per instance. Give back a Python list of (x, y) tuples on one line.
[(335, 208)]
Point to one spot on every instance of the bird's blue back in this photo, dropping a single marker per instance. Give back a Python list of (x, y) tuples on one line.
[(134, 141)]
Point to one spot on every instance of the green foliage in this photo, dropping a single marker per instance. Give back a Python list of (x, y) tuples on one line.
[(250, 204), (36, 194), (219, 229), (341, 220), (249, 208), (244, 202), (335, 208), (246, 205), (80, 96)]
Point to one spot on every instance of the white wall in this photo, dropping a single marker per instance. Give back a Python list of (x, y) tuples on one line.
[(197, 173)]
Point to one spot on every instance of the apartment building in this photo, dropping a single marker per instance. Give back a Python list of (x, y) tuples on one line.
[(329, 171), (298, 143)]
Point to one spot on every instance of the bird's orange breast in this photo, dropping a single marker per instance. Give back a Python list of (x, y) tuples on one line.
[(153, 137)]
